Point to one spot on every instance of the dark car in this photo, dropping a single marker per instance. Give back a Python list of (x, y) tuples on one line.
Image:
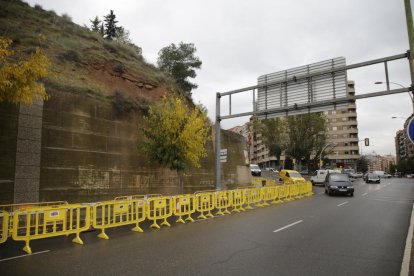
[(372, 178), (338, 183)]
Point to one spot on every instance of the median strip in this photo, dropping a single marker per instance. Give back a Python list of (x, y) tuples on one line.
[(343, 203), (287, 226)]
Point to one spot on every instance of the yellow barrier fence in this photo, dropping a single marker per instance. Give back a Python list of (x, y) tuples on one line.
[(184, 206), (160, 208), (252, 197), (276, 194), (223, 201), (237, 200), (50, 221), (283, 192), (10, 208), (308, 189), (128, 197), (4, 227), (205, 204), (303, 188), (116, 213), (266, 194)]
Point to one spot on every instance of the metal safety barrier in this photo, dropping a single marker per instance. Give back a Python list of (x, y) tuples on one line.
[(116, 213), (252, 197), (160, 208), (50, 221), (184, 206), (222, 202), (237, 200), (4, 226), (205, 204)]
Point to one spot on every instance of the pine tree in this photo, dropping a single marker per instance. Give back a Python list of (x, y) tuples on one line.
[(110, 25), (102, 30), (95, 24)]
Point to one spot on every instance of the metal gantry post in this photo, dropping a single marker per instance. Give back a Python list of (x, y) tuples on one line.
[(410, 30), (217, 143)]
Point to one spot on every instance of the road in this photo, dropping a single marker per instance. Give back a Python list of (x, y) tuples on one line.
[(319, 235)]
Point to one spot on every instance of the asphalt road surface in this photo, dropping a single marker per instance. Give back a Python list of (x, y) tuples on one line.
[(319, 235)]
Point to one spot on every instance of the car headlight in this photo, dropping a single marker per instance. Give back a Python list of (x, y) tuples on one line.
[(334, 187), (350, 187)]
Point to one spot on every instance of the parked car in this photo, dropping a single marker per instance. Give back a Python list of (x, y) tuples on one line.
[(356, 175), (319, 177), (338, 183), (386, 175), (274, 170), (255, 170), (304, 172), (290, 175), (372, 178)]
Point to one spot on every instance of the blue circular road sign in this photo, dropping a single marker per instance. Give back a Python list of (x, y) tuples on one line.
[(410, 130)]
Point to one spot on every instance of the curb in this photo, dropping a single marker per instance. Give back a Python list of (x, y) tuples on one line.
[(405, 266)]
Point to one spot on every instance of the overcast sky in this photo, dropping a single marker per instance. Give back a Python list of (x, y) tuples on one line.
[(238, 41)]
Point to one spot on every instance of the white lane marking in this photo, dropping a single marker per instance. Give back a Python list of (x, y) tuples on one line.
[(364, 194), (21, 256), (343, 203), (405, 266), (322, 193), (287, 226)]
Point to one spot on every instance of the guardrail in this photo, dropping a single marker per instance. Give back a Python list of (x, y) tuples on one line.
[(30, 221)]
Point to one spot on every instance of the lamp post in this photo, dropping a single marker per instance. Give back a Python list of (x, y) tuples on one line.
[(323, 149), (387, 83)]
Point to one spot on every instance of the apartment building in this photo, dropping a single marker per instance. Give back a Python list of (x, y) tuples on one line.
[(403, 147), (342, 130)]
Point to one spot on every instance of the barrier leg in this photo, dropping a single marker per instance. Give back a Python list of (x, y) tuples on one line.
[(202, 216), (102, 235), (210, 215), (180, 220), (220, 213), (137, 228), (27, 248), (227, 212), (165, 223), (189, 218), (155, 225), (77, 239), (235, 209)]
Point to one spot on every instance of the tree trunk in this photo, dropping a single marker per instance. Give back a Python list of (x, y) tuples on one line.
[(180, 182)]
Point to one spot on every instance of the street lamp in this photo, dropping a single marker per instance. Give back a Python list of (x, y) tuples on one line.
[(411, 96), (323, 149)]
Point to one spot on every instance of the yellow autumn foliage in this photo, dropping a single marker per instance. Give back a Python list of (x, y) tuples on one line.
[(176, 134), (18, 79)]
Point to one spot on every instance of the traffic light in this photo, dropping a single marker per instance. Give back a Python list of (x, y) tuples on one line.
[(366, 140)]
